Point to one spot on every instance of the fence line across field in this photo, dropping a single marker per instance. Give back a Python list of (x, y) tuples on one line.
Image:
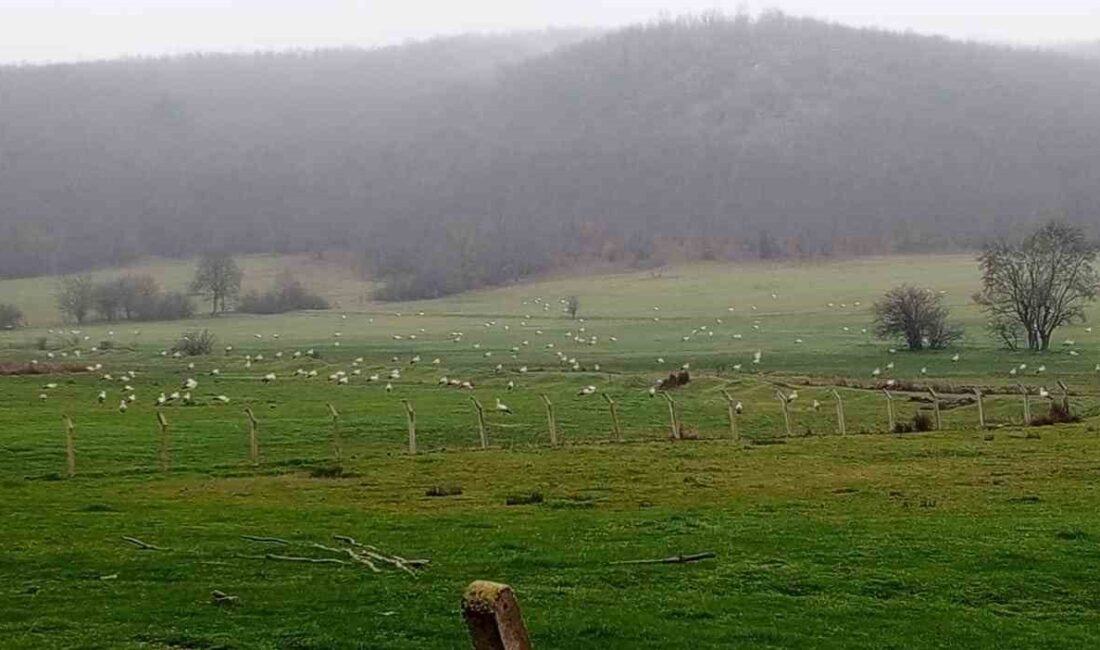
[(677, 427)]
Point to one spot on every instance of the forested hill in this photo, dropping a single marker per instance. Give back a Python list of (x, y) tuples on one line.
[(465, 162)]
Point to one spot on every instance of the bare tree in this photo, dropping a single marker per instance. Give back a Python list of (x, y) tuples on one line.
[(1040, 284), (573, 305), (76, 297), (218, 278), (916, 315)]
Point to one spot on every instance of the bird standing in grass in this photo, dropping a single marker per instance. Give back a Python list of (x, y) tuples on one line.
[(503, 408)]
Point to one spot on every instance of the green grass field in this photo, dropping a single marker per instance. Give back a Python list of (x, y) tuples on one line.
[(958, 538)]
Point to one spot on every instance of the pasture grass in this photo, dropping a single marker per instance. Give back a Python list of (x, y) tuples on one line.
[(957, 538)]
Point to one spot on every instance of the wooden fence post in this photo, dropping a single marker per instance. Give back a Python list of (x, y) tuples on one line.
[(1027, 404), (481, 423), (551, 423), (253, 437), (165, 461), (616, 432), (841, 425), (731, 411), (70, 446), (1065, 395), (493, 617), (981, 408), (337, 443), (893, 423), (672, 415), (786, 410), (410, 415), (936, 408)]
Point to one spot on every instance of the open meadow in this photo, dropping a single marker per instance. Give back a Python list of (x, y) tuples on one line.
[(960, 537)]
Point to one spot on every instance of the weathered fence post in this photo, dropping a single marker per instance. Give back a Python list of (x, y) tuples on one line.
[(786, 410), (337, 446), (253, 437), (551, 423), (981, 408), (481, 423), (936, 408), (893, 423), (1027, 404), (841, 426), (165, 463), (731, 411), (70, 446), (672, 415), (1065, 395), (616, 432), (493, 617), (410, 415)]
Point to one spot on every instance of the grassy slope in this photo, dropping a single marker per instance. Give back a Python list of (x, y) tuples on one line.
[(873, 541)]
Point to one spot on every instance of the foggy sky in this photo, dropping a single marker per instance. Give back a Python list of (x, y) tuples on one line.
[(67, 30)]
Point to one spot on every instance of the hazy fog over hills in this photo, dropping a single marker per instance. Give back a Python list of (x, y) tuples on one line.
[(465, 161)]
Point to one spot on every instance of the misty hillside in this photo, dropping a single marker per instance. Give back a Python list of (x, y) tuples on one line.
[(1090, 49), (465, 162)]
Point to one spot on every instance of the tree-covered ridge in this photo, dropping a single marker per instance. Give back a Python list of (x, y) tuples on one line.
[(708, 137)]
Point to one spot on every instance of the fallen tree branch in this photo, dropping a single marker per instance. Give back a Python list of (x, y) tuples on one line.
[(308, 560), (350, 553), (675, 559), (142, 545), (222, 598), (375, 553), (265, 540)]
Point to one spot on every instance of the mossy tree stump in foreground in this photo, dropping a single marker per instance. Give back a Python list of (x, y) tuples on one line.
[(493, 617)]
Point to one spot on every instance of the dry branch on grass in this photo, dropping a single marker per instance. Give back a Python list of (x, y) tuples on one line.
[(357, 554), (675, 559), (219, 597), (375, 553), (142, 545), (307, 560), (265, 540)]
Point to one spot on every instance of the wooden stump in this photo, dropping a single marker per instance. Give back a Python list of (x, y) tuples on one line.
[(493, 617)]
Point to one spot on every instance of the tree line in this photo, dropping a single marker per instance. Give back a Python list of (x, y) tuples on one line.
[(137, 297)]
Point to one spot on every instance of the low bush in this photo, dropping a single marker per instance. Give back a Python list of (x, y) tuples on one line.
[(195, 343), (1059, 413), (11, 317)]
